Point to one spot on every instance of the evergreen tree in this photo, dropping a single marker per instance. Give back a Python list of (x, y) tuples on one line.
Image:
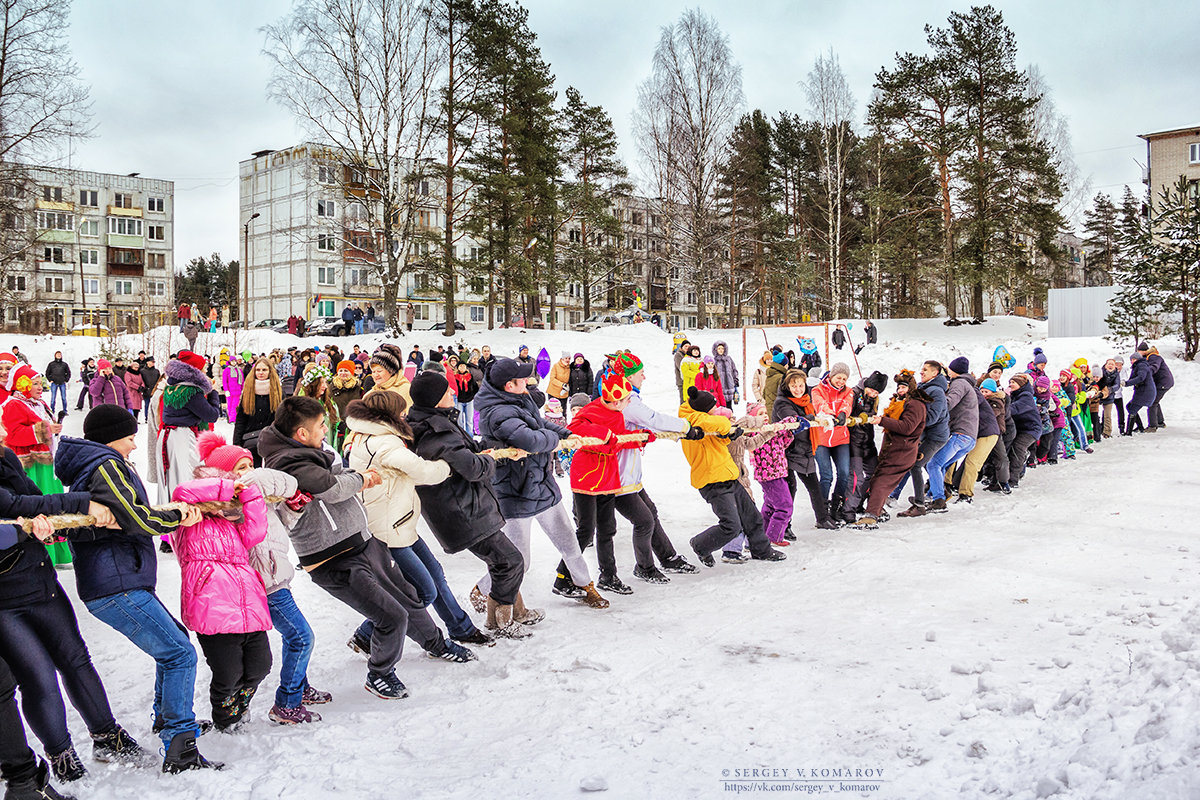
[(1172, 260), (1100, 238), (1137, 303)]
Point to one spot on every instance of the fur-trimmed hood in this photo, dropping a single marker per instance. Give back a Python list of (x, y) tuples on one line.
[(179, 372)]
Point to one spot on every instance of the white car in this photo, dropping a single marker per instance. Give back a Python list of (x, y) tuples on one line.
[(603, 320)]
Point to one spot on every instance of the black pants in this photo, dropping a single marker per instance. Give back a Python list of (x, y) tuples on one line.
[(505, 566), (1154, 415), (861, 470), (42, 643), (736, 514), (997, 461), (1120, 414), (1133, 411), (595, 518), (645, 525), (370, 582), (816, 498), (17, 761), (239, 661), (1019, 455), (1047, 446)]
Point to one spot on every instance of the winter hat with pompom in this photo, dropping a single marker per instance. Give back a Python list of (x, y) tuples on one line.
[(780, 357), (1039, 357), (218, 454), (700, 401)]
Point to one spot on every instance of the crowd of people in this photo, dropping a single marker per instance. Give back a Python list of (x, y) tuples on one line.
[(335, 455)]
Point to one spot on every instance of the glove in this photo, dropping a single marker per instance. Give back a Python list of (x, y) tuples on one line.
[(841, 418), (735, 433), (298, 501), (694, 434)]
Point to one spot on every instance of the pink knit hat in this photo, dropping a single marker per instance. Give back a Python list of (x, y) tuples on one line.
[(103, 363), (219, 455)]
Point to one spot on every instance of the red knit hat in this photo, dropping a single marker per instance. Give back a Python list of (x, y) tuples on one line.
[(217, 454), (23, 378), (614, 388), (625, 363), (194, 360)]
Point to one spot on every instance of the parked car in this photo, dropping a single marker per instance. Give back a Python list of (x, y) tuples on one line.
[(269, 323), (438, 326), (603, 320), (324, 326)]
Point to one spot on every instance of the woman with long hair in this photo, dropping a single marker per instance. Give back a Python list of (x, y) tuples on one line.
[(260, 398), (315, 384)]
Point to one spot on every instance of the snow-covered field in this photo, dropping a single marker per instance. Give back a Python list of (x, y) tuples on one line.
[(1046, 643)]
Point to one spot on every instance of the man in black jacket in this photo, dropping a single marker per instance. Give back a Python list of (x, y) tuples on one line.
[(864, 456), (58, 372), (462, 511), (150, 377)]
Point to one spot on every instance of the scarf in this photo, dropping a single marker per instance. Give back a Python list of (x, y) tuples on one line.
[(262, 387)]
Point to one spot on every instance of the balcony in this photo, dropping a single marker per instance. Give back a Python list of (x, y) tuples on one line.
[(372, 290), (126, 262), (120, 211), (53, 205)]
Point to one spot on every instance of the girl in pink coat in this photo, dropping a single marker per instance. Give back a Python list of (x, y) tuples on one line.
[(222, 597), (231, 385)]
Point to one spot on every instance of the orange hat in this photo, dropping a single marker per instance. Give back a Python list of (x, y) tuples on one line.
[(614, 388), (346, 364)]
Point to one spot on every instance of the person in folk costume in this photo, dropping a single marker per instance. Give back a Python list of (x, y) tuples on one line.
[(315, 384), (189, 406), (7, 362), (33, 437), (232, 378)]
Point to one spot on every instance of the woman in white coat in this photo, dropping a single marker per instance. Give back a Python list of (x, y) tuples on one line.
[(378, 437)]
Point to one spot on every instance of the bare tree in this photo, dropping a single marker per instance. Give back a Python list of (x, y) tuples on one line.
[(42, 103), (685, 114), (360, 75), (831, 104), (1050, 126)]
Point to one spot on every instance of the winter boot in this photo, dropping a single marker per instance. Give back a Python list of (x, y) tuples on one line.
[(500, 619), (592, 598), (650, 574), (476, 636), (117, 745), (359, 643), (826, 525), (292, 716), (35, 787), (182, 755), (680, 565), (770, 555), (478, 601), (938, 506), (315, 697), (526, 616), (565, 587), (787, 533), (386, 687), (66, 766), (866, 523), (962, 498), (203, 726), (611, 583)]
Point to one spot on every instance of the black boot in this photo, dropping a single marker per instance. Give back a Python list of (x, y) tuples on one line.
[(182, 755), (35, 787)]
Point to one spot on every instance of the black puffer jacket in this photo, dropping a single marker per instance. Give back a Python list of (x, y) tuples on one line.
[(799, 452), (246, 424), (462, 509), (58, 371), (862, 437), (581, 380)]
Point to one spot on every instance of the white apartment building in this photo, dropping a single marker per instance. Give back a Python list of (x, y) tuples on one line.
[(87, 248)]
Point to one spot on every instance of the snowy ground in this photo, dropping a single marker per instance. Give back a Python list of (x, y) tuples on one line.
[(1046, 643)]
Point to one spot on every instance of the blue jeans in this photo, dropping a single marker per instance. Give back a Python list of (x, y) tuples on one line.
[(421, 568), (466, 416), (829, 458), (358, 326), (55, 390), (959, 445), (298, 642), (1081, 437), (145, 621)]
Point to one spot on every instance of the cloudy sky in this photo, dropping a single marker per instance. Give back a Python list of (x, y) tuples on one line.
[(179, 87)]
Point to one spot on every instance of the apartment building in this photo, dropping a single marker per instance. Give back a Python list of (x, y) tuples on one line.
[(1170, 154), (86, 248)]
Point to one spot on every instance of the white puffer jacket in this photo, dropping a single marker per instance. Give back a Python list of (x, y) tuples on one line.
[(393, 507), (271, 558)]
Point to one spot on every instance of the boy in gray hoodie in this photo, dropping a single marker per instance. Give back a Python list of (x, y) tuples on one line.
[(339, 553)]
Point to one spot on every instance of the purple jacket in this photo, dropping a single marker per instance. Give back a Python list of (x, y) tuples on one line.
[(770, 457), (219, 591), (104, 389)]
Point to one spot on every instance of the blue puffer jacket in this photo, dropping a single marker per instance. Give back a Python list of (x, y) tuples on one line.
[(525, 487), (1163, 377), (110, 560), (26, 575), (937, 419), (1141, 377), (1025, 411)]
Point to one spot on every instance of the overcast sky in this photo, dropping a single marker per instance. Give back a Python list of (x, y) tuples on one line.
[(179, 87)]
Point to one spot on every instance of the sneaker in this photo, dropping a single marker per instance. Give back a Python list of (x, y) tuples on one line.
[(478, 601), (119, 747), (182, 755), (611, 583), (476, 637), (359, 644), (913, 511), (734, 557), (565, 587), (771, 555), (785, 542), (650, 575), (386, 686), (883, 515), (680, 565), (826, 525), (993, 487), (292, 716), (450, 650), (315, 697), (963, 498), (938, 506), (66, 766), (705, 558), (35, 787), (1004, 487), (788, 536), (1089, 450)]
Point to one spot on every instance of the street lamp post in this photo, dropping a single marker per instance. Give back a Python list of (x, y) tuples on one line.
[(245, 287)]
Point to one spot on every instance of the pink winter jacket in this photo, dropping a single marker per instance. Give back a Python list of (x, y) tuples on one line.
[(770, 460), (220, 592)]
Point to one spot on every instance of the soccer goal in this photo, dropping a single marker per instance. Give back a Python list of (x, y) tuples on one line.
[(801, 337)]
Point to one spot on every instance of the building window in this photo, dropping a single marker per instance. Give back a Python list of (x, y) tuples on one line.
[(125, 255), (156, 204), (125, 226), (326, 275), (157, 288), (326, 175), (356, 177), (52, 194), (12, 190), (55, 221), (691, 298), (91, 257), (674, 321), (89, 197), (326, 241), (656, 222), (16, 283), (91, 286), (54, 284), (14, 221), (635, 243), (636, 218), (122, 200), (424, 219), (156, 260), (421, 311), (637, 269), (475, 283), (123, 287), (326, 208), (156, 232), (573, 235), (477, 313), (356, 211), (425, 188), (325, 308), (89, 227), (53, 255), (1194, 153)]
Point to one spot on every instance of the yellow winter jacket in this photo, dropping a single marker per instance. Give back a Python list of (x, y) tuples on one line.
[(709, 457)]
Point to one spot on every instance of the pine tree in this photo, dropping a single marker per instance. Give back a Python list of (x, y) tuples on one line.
[(1173, 260), (1100, 238), (1137, 303)]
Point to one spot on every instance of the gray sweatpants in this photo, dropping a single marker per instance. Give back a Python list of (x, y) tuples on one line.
[(560, 529)]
